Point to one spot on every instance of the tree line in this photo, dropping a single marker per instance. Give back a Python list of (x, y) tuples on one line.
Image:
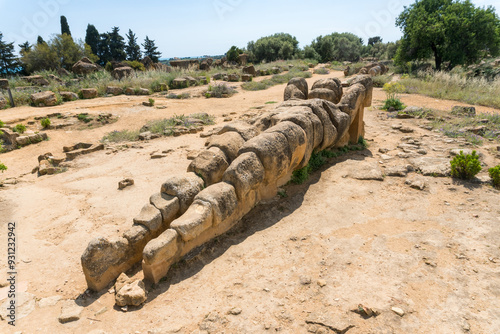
[(62, 51)]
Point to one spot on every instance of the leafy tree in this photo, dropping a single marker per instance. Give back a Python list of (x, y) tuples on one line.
[(103, 49), (8, 61), (374, 40), (40, 40), (233, 53), (133, 49), (151, 50), (451, 31), (25, 48), (339, 47), (274, 47), (117, 45), (60, 51), (310, 53), (65, 26), (92, 38)]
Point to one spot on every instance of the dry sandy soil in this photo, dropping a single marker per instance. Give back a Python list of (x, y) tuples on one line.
[(293, 265)]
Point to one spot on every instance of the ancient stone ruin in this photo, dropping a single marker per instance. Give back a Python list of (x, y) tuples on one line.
[(243, 164)]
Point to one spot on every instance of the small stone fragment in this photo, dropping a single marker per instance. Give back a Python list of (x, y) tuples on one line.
[(398, 311), (235, 311), (321, 283), (70, 311), (305, 280), (125, 183)]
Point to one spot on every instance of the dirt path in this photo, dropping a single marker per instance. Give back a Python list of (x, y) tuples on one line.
[(293, 265)]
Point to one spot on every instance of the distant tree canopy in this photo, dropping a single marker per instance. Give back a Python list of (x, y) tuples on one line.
[(9, 64), (337, 47), (117, 45), (271, 48), (132, 49), (60, 52), (65, 26), (92, 38), (374, 40), (151, 50), (233, 53), (451, 31)]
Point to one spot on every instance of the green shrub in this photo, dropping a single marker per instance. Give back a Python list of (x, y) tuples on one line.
[(121, 136), (84, 118), (495, 176), (321, 70), (300, 175), (19, 128), (2, 124), (3, 168), (152, 102), (45, 123), (465, 166), (394, 103), (219, 90), (136, 65)]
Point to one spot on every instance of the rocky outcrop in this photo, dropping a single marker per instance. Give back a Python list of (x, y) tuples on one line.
[(37, 80), (84, 66), (122, 72), (89, 93), (44, 99), (242, 165), (250, 70), (68, 96), (185, 63)]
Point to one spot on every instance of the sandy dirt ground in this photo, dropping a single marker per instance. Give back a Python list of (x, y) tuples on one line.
[(293, 265)]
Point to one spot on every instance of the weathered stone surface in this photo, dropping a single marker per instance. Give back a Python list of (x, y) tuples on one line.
[(466, 151), (185, 187), (161, 249), (9, 137), (233, 77), (353, 98), (228, 142), (223, 200), (49, 301), (367, 83), (296, 141), (70, 311), (122, 72), (3, 102), (94, 148), (210, 164), (310, 124), (293, 93), (246, 173), (179, 83), (125, 183), (68, 96), (249, 70), (89, 93), (121, 281), (159, 254), (273, 151), (246, 78), (301, 84), (340, 120), (143, 91), (431, 166), (132, 294), (103, 260), (245, 130), (332, 84), (197, 219), (416, 182), (114, 90), (400, 171), (37, 80), (324, 94), (44, 99), (168, 205), (25, 304), (367, 171), (137, 236), (129, 91), (151, 218), (84, 66)]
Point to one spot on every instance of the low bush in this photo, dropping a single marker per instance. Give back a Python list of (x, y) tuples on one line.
[(393, 103), (45, 123), (322, 71), (275, 80), (152, 102), (121, 136), (136, 65), (495, 176), (2, 124), (380, 80), (219, 91), (19, 128), (3, 168), (182, 96), (465, 166), (84, 118)]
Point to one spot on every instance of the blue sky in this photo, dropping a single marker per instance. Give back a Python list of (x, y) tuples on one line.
[(199, 27)]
